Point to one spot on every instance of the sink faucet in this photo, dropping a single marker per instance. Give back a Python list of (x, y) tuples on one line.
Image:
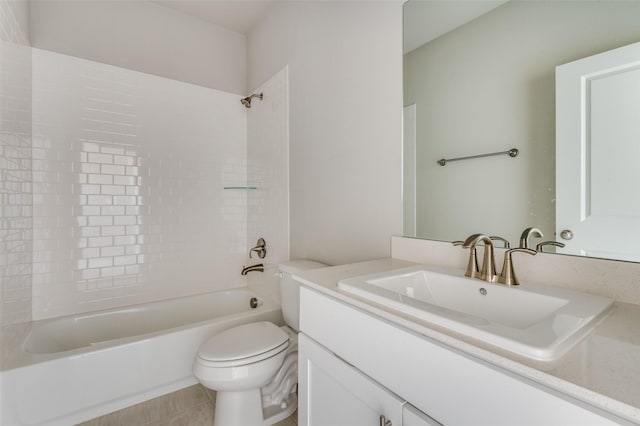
[(257, 267), (526, 234), (488, 271)]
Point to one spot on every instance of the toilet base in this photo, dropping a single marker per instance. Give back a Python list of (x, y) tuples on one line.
[(242, 408), (245, 409), (274, 414)]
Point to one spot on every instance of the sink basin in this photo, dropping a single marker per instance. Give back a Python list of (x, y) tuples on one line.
[(538, 322)]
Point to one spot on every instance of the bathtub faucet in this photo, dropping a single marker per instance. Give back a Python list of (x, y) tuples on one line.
[(257, 267)]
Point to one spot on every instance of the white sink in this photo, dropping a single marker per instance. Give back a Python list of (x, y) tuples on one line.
[(538, 322)]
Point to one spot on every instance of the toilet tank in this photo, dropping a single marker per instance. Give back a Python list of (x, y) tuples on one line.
[(290, 289)]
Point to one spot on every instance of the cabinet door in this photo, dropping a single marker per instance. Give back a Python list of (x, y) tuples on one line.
[(333, 393)]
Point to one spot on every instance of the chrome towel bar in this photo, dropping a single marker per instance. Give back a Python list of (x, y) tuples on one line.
[(513, 152)]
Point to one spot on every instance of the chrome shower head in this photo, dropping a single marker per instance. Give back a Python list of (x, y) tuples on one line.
[(247, 101)]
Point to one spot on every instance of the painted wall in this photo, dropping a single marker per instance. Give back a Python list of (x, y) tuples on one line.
[(128, 177), (489, 86), (16, 224), (145, 37), (345, 70)]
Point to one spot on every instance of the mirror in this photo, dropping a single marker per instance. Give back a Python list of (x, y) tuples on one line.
[(483, 81)]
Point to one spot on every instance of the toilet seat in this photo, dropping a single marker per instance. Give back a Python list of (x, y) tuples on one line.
[(242, 345)]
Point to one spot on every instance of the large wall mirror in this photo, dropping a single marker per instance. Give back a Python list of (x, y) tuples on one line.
[(479, 78)]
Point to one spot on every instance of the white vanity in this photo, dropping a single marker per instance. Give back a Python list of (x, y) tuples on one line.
[(364, 363)]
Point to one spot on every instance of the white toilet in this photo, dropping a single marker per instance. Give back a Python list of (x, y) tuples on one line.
[(254, 367)]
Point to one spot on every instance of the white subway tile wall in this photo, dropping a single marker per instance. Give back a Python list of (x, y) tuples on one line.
[(15, 170), (268, 168), (128, 178)]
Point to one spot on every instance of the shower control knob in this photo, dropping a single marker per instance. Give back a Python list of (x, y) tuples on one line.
[(566, 234)]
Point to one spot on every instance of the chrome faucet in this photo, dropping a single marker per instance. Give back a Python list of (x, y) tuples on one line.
[(526, 234), (257, 267), (488, 271)]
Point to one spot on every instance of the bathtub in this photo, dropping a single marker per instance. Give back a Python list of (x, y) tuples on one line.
[(76, 368)]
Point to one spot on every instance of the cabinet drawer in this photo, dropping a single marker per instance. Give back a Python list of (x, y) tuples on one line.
[(436, 379)]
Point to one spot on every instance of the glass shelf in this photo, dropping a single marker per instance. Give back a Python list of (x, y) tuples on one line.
[(240, 187)]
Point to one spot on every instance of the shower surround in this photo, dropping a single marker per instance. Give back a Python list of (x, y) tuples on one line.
[(15, 165), (128, 177), (113, 179), (122, 200)]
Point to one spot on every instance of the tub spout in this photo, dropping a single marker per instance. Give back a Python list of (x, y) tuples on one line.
[(257, 267)]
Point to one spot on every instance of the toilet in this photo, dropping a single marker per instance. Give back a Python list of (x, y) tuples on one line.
[(254, 367)]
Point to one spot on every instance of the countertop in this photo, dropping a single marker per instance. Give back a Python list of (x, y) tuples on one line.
[(603, 369)]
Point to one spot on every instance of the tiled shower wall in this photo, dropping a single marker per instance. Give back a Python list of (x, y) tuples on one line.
[(268, 172), (268, 168), (128, 178), (15, 168)]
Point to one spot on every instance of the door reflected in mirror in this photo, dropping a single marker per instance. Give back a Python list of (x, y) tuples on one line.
[(487, 84)]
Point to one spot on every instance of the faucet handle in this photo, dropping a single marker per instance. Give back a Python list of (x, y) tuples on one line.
[(548, 243), (504, 241), (472, 265), (508, 275), (260, 249)]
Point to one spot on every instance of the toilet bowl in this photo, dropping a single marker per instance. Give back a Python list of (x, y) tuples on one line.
[(253, 367)]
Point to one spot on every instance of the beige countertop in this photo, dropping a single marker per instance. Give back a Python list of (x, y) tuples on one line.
[(603, 369)]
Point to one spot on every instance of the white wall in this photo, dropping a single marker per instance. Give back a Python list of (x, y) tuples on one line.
[(345, 67), (15, 164), (128, 177), (489, 86), (145, 37)]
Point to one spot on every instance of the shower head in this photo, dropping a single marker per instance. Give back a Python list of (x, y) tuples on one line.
[(247, 101)]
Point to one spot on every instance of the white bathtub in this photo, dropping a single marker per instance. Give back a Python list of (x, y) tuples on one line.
[(73, 369)]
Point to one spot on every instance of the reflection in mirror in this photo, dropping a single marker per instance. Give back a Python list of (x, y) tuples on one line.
[(487, 84)]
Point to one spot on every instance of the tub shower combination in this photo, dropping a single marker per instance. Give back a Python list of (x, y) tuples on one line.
[(76, 368)]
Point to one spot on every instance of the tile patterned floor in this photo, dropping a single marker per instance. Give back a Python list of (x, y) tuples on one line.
[(192, 406)]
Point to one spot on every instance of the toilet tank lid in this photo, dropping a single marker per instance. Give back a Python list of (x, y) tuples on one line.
[(293, 266)]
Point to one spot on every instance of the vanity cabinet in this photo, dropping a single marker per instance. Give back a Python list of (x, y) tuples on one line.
[(354, 363), (333, 393)]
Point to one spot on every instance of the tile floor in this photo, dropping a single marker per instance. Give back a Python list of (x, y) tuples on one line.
[(192, 406)]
